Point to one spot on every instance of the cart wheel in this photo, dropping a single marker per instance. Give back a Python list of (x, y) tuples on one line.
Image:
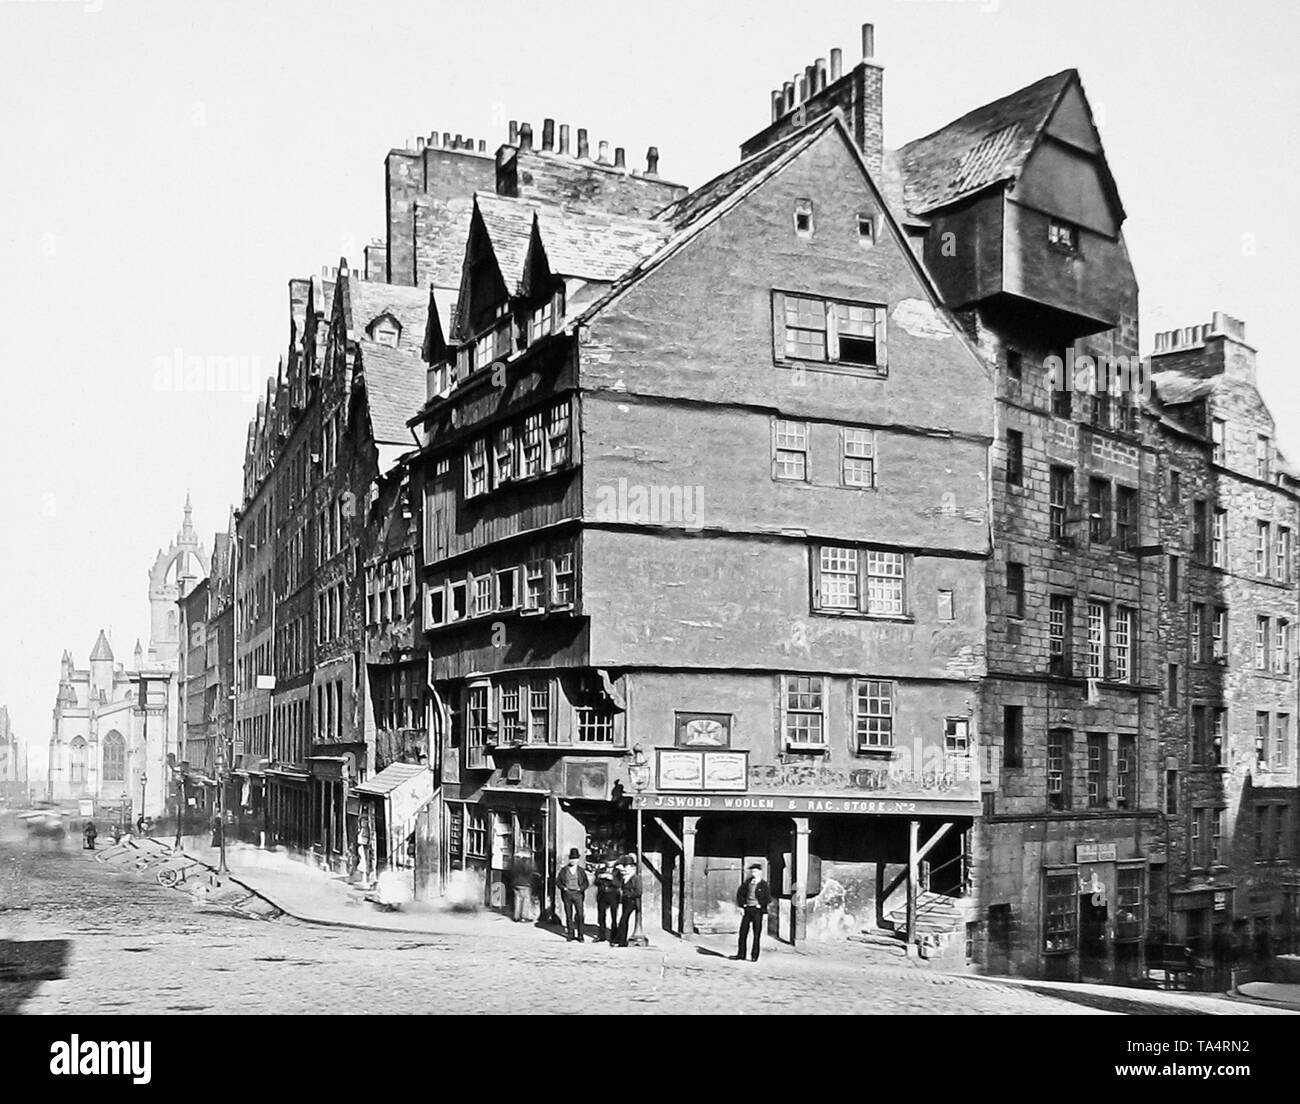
[(169, 878)]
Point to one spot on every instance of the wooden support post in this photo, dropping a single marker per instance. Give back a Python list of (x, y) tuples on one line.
[(688, 862), (880, 894), (799, 889), (913, 829)]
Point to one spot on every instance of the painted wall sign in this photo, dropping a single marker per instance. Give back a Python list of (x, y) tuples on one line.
[(702, 770), (799, 805), (1220, 901), (726, 770), (681, 770), (1094, 852)]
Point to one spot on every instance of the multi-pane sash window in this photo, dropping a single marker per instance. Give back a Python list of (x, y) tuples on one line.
[(1263, 457), (1281, 646), (1197, 621), (541, 321), (1282, 554), (1096, 640), (1261, 738), (1282, 740), (839, 578), (1218, 731), (503, 456), (1125, 772), (476, 718), (1058, 633), (791, 450), (482, 601), (1098, 509), (562, 579), (1261, 548), (859, 460), (476, 832), (874, 714), (1058, 769), (1216, 836), (885, 583), (1061, 490), (1220, 633), (512, 720), (1097, 781), (476, 470), (1126, 517), (535, 583), (803, 709), (533, 447), (1261, 643), (1217, 428), (539, 712), (1198, 837), (557, 435), (595, 724), (1121, 645), (1219, 549), (832, 332), (1129, 908), (956, 736)]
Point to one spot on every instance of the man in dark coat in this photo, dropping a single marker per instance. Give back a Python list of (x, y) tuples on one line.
[(631, 894), (752, 898), (608, 878), (573, 881)]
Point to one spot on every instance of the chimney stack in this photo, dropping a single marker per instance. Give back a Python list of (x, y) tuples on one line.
[(433, 139), (419, 143), (564, 139), (778, 104), (810, 81), (620, 160), (446, 139), (787, 91), (602, 158), (837, 64), (803, 89), (868, 42), (525, 136), (584, 150), (548, 134), (820, 67), (482, 145), (652, 161), (514, 132)]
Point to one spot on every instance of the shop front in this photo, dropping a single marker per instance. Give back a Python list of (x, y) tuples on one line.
[(388, 817), (1094, 913)]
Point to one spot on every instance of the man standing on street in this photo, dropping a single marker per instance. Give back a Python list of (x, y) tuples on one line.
[(522, 872), (573, 882), (752, 897), (607, 895), (631, 903)]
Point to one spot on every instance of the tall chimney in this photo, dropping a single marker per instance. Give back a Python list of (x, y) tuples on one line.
[(433, 139), (620, 160), (803, 89), (548, 134), (419, 143), (446, 139), (458, 140), (868, 42), (525, 136), (837, 64), (482, 145), (564, 138), (652, 161), (778, 104), (819, 67), (514, 132), (602, 157), (584, 151), (787, 91), (810, 77)]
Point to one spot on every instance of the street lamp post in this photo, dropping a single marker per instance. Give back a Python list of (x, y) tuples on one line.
[(639, 773)]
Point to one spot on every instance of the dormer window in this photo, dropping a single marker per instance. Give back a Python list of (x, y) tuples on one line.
[(385, 331), (1063, 236)]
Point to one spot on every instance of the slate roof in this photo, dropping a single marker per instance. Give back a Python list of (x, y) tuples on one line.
[(986, 146), (1175, 388), (395, 390), (367, 301)]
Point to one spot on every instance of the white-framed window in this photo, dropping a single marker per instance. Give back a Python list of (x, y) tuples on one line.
[(956, 736), (803, 710), (1261, 643), (1282, 554), (541, 321), (477, 718), (1261, 548), (562, 579), (1219, 634), (558, 436), (512, 718), (1121, 645), (858, 463), (1281, 646), (535, 582), (1263, 457), (830, 331), (503, 456), (790, 450), (435, 605), (539, 711), (482, 603), (839, 578), (476, 468), (1219, 552), (594, 724), (873, 714), (885, 579), (507, 594), (1096, 640), (532, 445)]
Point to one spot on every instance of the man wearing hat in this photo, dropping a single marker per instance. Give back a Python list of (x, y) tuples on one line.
[(752, 897), (631, 897), (573, 882)]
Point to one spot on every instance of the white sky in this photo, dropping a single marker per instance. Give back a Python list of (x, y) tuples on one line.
[(167, 165)]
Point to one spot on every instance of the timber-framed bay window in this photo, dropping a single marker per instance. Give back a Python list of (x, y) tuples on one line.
[(838, 334), (529, 447), (869, 582), (544, 579)]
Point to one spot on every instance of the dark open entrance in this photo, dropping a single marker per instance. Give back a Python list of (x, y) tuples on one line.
[(1092, 937)]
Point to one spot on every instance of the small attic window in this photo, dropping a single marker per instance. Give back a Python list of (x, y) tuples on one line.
[(385, 331), (803, 217), (866, 229), (1063, 236)]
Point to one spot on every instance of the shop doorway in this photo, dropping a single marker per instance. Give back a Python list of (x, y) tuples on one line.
[(1092, 938)]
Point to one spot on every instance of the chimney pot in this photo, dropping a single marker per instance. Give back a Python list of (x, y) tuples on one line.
[(810, 81), (548, 134), (868, 42), (564, 138), (525, 136), (837, 64), (620, 158), (819, 67), (419, 143), (460, 139), (446, 139), (787, 90), (584, 149), (433, 139), (324, 271), (652, 161), (603, 156), (803, 89), (514, 132), (778, 104), (482, 145)]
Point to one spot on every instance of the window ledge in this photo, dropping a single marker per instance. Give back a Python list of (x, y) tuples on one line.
[(817, 748), (864, 371), (896, 619), (876, 752)]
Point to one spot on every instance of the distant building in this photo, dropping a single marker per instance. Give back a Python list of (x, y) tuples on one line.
[(13, 762)]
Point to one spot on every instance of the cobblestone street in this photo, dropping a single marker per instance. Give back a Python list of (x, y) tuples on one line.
[(135, 947)]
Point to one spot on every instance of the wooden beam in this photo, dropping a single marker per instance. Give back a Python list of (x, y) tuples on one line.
[(668, 832), (943, 830), (913, 830)]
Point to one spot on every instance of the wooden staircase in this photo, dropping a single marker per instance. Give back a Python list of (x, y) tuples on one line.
[(936, 914)]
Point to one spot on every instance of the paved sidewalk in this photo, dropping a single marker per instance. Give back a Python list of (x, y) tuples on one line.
[(1278, 994)]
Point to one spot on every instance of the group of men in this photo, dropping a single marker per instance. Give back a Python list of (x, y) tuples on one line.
[(618, 895)]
